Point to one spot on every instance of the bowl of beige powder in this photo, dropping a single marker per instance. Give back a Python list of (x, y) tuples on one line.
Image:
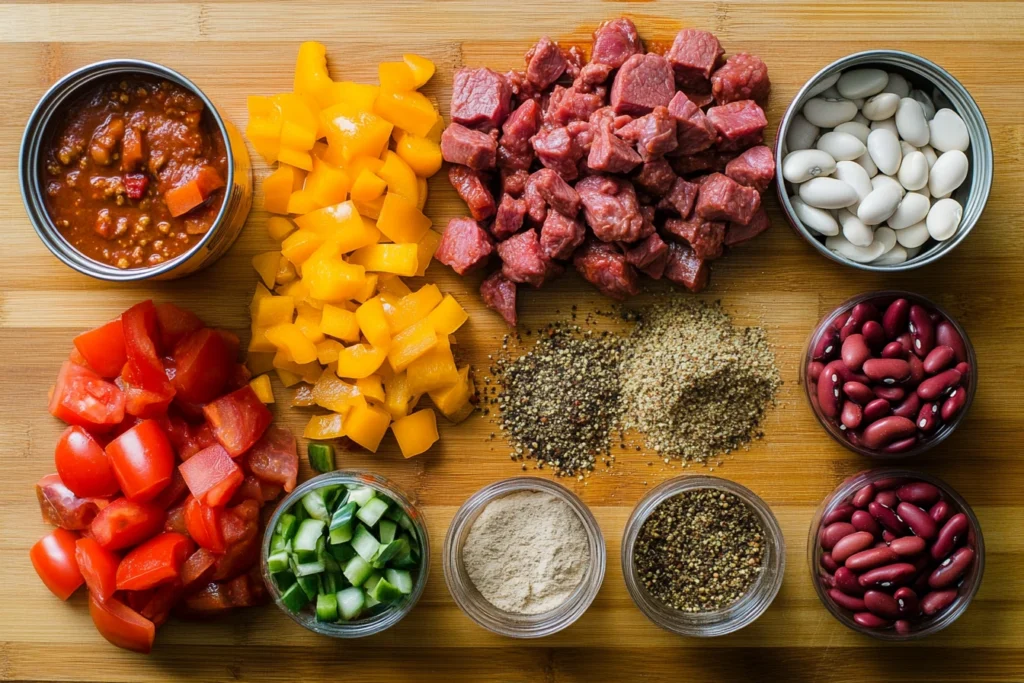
[(524, 557)]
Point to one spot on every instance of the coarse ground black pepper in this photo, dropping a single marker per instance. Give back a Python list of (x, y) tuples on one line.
[(700, 550)]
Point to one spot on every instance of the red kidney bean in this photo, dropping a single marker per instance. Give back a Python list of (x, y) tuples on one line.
[(888, 483), (963, 368), (928, 420), (888, 499), (827, 580), (907, 342), (873, 335), (893, 350), (883, 432), (939, 512), (888, 536), (863, 496), (833, 532), (887, 518), (828, 563), (814, 369), (870, 558), (908, 408), (918, 520), (908, 546), (860, 314), (939, 359), (846, 581), (855, 351), (901, 446), (954, 404), (903, 627), (946, 334), (841, 513), (863, 521), (936, 601), (894, 321), (907, 601), (917, 373), (950, 536), (919, 493), (922, 331), (888, 576), (828, 389), (851, 544), (886, 370), (827, 346), (882, 604), (876, 410), (858, 393), (852, 415), (869, 620), (951, 569), (891, 394), (853, 436), (880, 544), (936, 385), (854, 604), (840, 320)]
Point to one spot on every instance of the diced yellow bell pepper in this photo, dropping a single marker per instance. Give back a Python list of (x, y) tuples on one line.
[(355, 131), (426, 248), (285, 271), (366, 424), (395, 77), (327, 184), (413, 307), (401, 221), (300, 245), (264, 127), (332, 279), (422, 155), (279, 227), (296, 290), (370, 209), (400, 259), (278, 187), (369, 288), (266, 265), (398, 399), (261, 293), (410, 111), (289, 337), (422, 69), (274, 310), (307, 319), (294, 157), (374, 324), (342, 224), (392, 284), (288, 379), (302, 202), (368, 186), (453, 401), (361, 163), (258, 342), (433, 370), (357, 95), (339, 323), (372, 388), (423, 191), (360, 360), (416, 433), (311, 77), (298, 122), (400, 177), (307, 372), (324, 427), (328, 350), (334, 394), (302, 397), (410, 344), (261, 387), (434, 134), (448, 316)]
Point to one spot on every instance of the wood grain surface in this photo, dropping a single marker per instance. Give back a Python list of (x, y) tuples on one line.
[(233, 49)]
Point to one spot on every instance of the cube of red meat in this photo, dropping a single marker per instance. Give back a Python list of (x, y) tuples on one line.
[(570, 104), (575, 59), (754, 168), (544, 63), (694, 55), (481, 98), (723, 199), (742, 77), (471, 189), (615, 41), (681, 198), (514, 150), (536, 207), (557, 149), (461, 145), (704, 237), (499, 293), (642, 83), (560, 235), (557, 193), (738, 125), (694, 133), (605, 267), (610, 153), (591, 76), (523, 260), (701, 98), (647, 212), (464, 245), (709, 160), (649, 256), (611, 208), (514, 182), (509, 218), (685, 268), (737, 233), (657, 177), (654, 134)]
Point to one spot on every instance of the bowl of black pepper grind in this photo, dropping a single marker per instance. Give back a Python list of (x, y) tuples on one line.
[(702, 556)]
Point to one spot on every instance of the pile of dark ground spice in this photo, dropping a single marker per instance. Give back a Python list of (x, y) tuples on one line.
[(700, 550)]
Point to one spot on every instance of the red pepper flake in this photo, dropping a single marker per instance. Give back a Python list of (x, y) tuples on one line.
[(135, 185)]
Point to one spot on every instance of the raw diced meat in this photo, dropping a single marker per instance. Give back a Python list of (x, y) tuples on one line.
[(509, 218), (499, 293), (574, 61), (560, 235), (464, 245), (643, 83), (569, 104), (704, 237), (521, 88), (583, 136), (680, 198), (694, 132), (649, 256), (605, 267), (523, 261), (611, 208), (693, 56), (647, 212), (536, 207), (701, 98), (544, 63), (461, 145), (723, 199), (557, 193), (481, 98), (615, 41), (685, 268), (514, 183), (737, 233), (557, 150), (654, 133), (738, 125), (591, 76), (656, 177), (754, 168), (514, 150), (473, 191), (701, 162), (610, 153), (742, 77)]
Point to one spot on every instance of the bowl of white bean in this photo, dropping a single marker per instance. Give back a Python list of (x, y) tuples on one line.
[(883, 161)]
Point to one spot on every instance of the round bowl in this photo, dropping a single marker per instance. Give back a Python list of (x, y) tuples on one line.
[(374, 623), (719, 622), (967, 588), (932, 78), (39, 130), (477, 608), (840, 433)]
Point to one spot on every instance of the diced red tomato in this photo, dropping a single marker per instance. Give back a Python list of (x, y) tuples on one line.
[(141, 337), (63, 508), (231, 342), (275, 458), (81, 397), (240, 523), (125, 523), (140, 401), (237, 559), (135, 184), (173, 494), (202, 365), (122, 625), (103, 348), (154, 562), (218, 597), (83, 465), (197, 569), (239, 378), (254, 488), (176, 517), (212, 476), (161, 601), (99, 567), (175, 323), (53, 557), (143, 460), (78, 359), (204, 525), (238, 420)]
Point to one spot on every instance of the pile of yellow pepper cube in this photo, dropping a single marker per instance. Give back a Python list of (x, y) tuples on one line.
[(332, 309)]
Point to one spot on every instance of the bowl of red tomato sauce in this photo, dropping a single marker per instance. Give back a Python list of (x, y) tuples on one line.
[(128, 172)]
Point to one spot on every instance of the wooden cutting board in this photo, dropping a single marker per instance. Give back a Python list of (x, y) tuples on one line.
[(233, 49)]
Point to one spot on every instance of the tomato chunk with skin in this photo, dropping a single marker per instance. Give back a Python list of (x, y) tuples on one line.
[(197, 569), (160, 603), (202, 364), (254, 488), (53, 557), (212, 476), (143, 460), (274, 458), (140, 401), (103, 348), (61, 507), (154, 562), (238, 420), (99, 567), (204, 525), (141, 334), (175, 324), (175, 520), (122, 625), (83, 465), (125, 523), (83, 398), (173, 494)]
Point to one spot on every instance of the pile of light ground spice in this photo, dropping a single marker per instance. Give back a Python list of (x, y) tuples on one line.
[(700, 550)]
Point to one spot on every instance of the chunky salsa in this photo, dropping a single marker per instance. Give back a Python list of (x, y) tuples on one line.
[(135, 173)]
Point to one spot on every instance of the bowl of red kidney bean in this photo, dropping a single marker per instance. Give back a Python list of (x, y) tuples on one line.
[(889, 374), (895, 554)]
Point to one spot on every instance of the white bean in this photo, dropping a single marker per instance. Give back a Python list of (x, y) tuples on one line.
[(801, 134), (829, 113), (906, 148), (857, 130), (913, 236), (843, 247), (801, 166), (856, 176), (910, 122), (878, 205), (887, 181), (841, 146), (925, 193), (893, 257), (881, 107), (864, 161), (913, 173), (886, 236), (897, 84), (824, 85), (816, 219), (862, 83), (854, 229), (927, 106), (930, 155), (832, 94), (888, 124), (860, 118), (884, 148), (828, 193), (944, 219), (912, 252), (913, 208), (949, 132), (947, 173)]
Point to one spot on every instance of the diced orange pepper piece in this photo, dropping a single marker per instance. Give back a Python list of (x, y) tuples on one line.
[(426, 248), (258, 342), (370, 209), (422, 155), (400, 259), (400, 177), (416, 433), (279, 227), (302, 202), (296, 290), (401, 221), (423, 191), (339, 323), (433, 370), (278, 187), (368, 186), (289, 337), (261, 387), (360, 360), (434, 134), (355, 131), (298, 122), (410, 111), (332, 279), (307, 319), (366, 424), (448, 317), (328, 350), (264, 127), (300, 245), (374, 324), (333, 393), (410, 344), (187, 196), (369, 288), (266, 265), (413, 307), (342, 224), (295, 157), (274, 310), (392, 284), (358, 95), (311, 76), (288, 379), (422, 69), (395, 77), (398, 399), (453, 401), (372, 387), (327, 184), (323, 427)]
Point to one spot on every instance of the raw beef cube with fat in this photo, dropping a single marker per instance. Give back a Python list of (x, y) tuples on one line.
[(685, 268), (742, 77), (481, 98), (694, 55), (464, 245), (473, 148), (723, 199), (523, 260), (499, 293), (615, 41), (738, 125), (643, 83), (754, 168), (473, 190), (605, 267)]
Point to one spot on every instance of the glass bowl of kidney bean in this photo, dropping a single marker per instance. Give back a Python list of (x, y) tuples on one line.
[(895, 554), (889, 374)]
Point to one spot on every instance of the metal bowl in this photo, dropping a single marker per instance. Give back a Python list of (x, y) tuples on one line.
[(39, 131), (930, 77)]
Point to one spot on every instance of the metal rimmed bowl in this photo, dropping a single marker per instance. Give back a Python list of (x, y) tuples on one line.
[(39, 131), (933, 79)]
